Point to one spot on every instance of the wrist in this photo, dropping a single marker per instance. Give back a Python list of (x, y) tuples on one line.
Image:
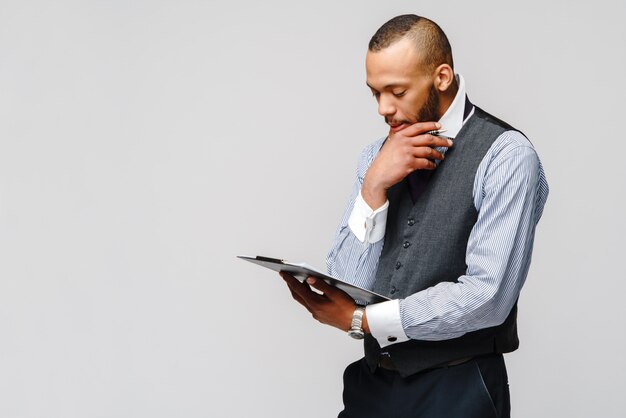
[(374, 195)]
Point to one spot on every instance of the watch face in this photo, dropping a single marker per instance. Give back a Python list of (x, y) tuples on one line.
[(356, 334)]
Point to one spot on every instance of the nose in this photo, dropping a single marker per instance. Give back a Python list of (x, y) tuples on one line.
[(385, 107)]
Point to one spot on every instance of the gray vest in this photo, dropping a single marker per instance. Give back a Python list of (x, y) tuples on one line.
[(425, 244)]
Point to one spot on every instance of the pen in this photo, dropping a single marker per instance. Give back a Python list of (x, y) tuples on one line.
[(439, 132)]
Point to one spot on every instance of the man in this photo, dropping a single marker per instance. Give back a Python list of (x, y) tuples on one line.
[(443, 224)]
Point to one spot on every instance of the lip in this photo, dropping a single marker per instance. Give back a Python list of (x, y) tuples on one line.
[(396, 128)]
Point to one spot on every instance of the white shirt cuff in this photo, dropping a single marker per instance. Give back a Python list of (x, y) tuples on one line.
[(384, 322), (366, 224)]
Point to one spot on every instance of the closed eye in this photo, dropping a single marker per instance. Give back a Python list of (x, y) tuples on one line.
[(400, 94)]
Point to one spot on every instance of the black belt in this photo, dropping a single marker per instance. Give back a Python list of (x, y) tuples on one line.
[(385, 362)]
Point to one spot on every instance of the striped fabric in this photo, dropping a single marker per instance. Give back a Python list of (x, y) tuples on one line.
[(510, 191)]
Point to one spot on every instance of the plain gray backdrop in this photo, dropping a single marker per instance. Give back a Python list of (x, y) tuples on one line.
[(144, 144)]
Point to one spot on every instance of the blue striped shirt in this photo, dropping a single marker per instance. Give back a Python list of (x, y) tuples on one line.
[(509, 192)]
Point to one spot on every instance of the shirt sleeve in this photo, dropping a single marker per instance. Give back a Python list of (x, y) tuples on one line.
[(350, 258), (510, 191), (366, 224), (385, 323)]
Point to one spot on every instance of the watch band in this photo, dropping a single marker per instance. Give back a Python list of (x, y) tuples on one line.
[(356, 327)]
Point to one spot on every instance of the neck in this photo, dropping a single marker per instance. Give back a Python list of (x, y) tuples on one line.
[(447, 97)]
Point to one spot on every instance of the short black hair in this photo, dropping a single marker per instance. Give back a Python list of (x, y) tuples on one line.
[(426, 34)]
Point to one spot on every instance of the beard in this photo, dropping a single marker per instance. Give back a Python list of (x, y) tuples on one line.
[(430, 111)]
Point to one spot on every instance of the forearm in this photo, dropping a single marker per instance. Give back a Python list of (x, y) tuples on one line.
[(373, 193), (354, 261), (358, 240)]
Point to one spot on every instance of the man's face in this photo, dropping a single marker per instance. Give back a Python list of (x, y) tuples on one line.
[(401, 85)]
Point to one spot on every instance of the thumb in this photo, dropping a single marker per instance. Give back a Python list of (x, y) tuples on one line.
[(321, 285)]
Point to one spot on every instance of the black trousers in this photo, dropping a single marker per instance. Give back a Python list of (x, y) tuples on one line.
[(476, 389)]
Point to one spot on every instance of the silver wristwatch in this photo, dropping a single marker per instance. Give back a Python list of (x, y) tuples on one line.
[(356, 327)]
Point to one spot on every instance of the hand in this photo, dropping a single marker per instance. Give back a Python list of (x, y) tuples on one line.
[(404, 152), (333, 307)]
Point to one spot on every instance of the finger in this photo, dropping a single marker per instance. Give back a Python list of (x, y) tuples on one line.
[(322, 286), (428, 140), (427, 152), (308, 296), (292, 282), (420, 128), (423, 164), (332, 293), (299, 299), (288, 277)]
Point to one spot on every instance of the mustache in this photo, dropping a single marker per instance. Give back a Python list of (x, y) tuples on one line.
[(396, 122)]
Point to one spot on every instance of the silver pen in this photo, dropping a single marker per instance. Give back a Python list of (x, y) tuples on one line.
[(439, 132)]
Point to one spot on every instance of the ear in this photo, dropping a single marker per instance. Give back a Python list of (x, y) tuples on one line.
[(444, 77)]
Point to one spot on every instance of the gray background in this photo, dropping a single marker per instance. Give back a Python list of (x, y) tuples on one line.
[(144, 144)]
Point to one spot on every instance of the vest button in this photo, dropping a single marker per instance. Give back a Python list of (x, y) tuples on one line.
[(410, 222), (398, 265), (392, 339), (393, 290), (406, 244)]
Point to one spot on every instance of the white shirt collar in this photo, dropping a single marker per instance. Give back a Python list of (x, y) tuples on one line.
[(452, 120)]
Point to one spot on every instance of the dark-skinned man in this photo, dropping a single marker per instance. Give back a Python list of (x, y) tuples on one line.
[(441, 224)]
